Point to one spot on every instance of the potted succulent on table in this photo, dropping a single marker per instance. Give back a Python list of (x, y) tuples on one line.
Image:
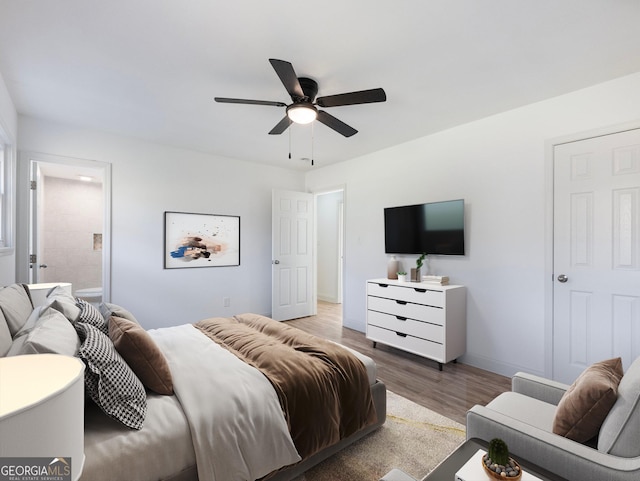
[(402, 276), (497, 463)]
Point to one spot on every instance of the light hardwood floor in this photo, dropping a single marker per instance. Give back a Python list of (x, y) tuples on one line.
[(450, 392)]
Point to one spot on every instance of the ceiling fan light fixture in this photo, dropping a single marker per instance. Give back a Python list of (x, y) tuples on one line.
[(302, 113)]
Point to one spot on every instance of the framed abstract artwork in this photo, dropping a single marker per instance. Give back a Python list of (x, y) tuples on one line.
[(201, 240)]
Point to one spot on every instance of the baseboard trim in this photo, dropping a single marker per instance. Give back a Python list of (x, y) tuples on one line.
[(498, 367)]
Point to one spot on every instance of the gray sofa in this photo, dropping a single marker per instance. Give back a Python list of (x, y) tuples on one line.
[(523, 418)]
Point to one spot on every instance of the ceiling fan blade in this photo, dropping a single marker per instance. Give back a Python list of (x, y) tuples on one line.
[(225, 100), (335, 124), (281, 126), (353, 98), (288, 77)]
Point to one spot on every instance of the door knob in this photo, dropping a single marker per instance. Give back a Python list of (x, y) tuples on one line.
[(562, 278), (276, 261), (43, 266)]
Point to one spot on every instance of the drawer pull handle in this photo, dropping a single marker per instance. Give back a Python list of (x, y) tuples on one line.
[(400, 318), (404, 303), (383, 285), (400, 334), (419, 290)]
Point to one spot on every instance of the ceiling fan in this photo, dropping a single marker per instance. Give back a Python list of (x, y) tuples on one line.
[(303, 93)]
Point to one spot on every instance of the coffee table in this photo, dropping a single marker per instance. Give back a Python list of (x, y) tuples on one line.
[(447, 469)]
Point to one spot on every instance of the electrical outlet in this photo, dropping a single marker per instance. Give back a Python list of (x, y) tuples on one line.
[(226, 301)]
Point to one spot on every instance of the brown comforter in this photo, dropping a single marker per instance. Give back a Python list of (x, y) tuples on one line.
[(323, 388)]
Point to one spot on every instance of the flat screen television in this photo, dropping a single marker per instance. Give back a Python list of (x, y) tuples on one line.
[(434, 228)]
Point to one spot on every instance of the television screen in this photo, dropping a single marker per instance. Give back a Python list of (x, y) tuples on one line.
[(434, 228)]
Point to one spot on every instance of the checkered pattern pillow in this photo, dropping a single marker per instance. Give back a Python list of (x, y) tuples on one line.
[(108, 380), (89, 314)]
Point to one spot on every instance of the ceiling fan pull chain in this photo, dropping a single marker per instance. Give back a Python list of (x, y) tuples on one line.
[(289, 144), (312, 139)]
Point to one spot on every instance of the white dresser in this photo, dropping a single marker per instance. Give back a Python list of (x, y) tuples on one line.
[(426, 319)]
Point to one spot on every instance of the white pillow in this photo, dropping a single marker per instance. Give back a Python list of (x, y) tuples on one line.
[(46, 331)]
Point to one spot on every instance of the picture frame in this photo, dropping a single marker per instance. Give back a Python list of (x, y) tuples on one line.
[(201, 240)]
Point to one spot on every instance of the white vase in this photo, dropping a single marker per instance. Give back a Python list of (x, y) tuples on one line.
[(392, 268), (402, 277)]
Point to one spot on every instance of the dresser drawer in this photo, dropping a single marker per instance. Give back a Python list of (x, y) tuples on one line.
[(424, 330), (406, 342), (419, 312), (417, 293)]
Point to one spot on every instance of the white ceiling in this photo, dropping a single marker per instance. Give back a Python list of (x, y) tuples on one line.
[(151, 68)]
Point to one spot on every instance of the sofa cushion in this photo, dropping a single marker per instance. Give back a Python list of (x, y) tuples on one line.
[(525, 409), (16, 306), (620, 432), (587, 402), (142, 354)]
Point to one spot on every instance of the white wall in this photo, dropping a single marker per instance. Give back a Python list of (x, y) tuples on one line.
[(149, 179), (8, 134), (497, 165)]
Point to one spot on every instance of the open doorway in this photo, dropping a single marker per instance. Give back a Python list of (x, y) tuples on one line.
[(330, 251), (69, 225)]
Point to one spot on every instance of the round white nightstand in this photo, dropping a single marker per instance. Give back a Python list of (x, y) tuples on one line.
[(42, 408)]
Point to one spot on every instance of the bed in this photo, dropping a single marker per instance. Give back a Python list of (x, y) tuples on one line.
[(221, 399)]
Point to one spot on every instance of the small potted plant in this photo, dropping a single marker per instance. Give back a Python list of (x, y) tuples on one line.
[(402, 276), (415, 273), (497, 463)]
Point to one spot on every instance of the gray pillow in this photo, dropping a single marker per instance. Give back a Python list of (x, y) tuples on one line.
[(16, 306), (50, 333), (107, 310), (62, 301), (620, 431)]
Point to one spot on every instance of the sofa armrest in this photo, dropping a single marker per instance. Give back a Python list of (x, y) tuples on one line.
[(538, 387), (557, 454)]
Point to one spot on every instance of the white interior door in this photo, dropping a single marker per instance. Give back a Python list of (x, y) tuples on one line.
[(596, 307), (292, 262)]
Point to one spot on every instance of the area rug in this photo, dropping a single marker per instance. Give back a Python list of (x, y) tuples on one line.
[(413, 438)]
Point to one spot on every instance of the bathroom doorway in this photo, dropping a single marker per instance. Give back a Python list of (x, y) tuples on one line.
[(330, 245), (69, 224)]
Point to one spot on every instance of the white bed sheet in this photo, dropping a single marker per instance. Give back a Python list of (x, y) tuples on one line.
[(161, 449)]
